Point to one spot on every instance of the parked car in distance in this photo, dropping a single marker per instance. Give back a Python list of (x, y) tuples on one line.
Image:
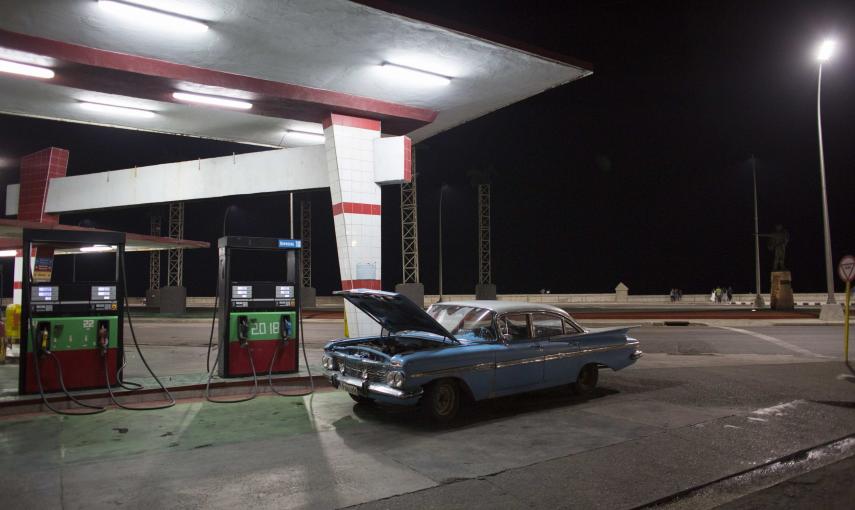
[(474, 349)]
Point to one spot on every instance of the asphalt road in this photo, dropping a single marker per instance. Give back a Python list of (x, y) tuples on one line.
[(704, 404)]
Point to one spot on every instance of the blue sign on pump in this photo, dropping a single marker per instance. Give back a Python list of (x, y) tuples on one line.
[(290, 243)]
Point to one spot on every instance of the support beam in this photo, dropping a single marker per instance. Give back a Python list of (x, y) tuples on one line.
[(154, 257), (411, 286), (485, 288), (308, 294), (173, 297)]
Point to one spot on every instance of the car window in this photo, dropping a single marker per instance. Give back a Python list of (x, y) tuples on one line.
[(515, 326), (570, 328), (546, 325), (465, 322)]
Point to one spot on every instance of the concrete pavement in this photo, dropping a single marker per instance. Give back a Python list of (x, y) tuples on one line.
[(703, 404)]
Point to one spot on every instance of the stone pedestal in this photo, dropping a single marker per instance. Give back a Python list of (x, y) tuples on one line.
[(485, 291), (621, 293), (173, 300), (781, 293), (833, 313), (308, 297), (414, 291), (152, 299)]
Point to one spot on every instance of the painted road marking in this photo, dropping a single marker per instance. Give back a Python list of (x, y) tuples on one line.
[(776, 341)]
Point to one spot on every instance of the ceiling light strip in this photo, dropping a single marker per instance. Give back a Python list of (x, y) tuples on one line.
[(212, 100), (7, 66), (151, 15), (116, 110)]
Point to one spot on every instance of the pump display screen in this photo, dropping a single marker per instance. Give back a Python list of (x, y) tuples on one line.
[(284, 291), (45, 294), (103, 293), (241, 291)]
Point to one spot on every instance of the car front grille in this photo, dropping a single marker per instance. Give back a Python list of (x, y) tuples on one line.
[(376, 373)]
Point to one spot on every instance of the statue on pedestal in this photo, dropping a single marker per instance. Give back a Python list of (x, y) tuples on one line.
[(778, 243)]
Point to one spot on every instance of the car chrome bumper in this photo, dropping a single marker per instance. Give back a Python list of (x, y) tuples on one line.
[(635, 355), (366, 388)]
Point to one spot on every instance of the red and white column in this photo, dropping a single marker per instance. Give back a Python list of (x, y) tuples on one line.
[(356, 209), (37, 169)]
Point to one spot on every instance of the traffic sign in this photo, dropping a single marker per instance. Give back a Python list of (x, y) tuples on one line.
[(846, 268)]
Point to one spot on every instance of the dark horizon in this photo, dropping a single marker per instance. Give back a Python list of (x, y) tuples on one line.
[(635, 174)]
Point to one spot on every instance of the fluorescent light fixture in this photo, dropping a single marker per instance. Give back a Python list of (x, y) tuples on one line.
[(7, 66), (413, 75), (116, 110), (152, 16), (212, 100), (8, 253), (826, 49), (97, 248), (306, 136)]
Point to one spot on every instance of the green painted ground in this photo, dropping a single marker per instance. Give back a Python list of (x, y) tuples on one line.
[(51, 439)]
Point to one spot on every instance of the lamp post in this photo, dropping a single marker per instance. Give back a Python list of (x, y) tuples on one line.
[(758, 299), (441, 192), (825, 51), (226, 217)]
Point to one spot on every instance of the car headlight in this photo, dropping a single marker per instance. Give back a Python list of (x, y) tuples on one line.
[(395, 379), (325, 362)]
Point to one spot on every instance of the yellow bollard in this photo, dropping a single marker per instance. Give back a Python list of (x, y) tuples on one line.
[(846, 322), (13, 323)]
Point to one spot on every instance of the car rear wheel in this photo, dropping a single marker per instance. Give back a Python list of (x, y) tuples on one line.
[(586, 382), (359, 399), (441, 400)]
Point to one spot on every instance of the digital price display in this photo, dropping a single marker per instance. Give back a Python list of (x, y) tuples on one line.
[(284, 291), (103, 293), (241, 291), (45, 294)]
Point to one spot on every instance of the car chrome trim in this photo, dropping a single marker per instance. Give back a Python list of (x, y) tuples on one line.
[(517, 362), (371, 387), (456, 370), (635, 355)]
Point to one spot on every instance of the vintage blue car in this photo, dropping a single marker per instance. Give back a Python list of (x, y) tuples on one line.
[(474, 349)]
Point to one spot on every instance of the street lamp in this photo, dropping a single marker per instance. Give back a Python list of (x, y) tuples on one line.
[(226, 217), (441, 192), (758, 299), (826, 49)]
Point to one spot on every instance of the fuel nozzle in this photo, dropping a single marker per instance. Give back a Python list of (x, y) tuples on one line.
[(103, 337), (284, 329), (43, 342), (243, 330)]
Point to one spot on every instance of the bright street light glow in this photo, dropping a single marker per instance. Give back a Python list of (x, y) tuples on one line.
[(826, 49), (97, 248), (8, 253), (7, 66), (116, 110), (306, 136), (212, 100), (413, 75), (153, 17)]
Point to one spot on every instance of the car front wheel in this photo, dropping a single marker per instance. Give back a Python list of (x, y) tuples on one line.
[(586, 382), (441, 400)]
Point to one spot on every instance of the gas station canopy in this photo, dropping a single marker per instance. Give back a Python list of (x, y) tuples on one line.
[(11, 232), (283, 64)]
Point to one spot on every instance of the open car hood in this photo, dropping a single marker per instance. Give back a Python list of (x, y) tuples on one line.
[(394, 312)]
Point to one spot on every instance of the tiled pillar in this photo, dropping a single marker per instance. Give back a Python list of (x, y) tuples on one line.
[(36, 170), (356, 209)]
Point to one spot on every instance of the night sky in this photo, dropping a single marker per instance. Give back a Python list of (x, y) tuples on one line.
[(635, 174)]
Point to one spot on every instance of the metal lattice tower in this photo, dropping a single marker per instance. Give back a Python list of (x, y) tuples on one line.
[(410, 229), (154, 257), (306, 237), (484, 266), (175, 269)]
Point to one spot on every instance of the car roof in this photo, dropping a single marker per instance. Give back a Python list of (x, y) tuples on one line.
[(507, 306)]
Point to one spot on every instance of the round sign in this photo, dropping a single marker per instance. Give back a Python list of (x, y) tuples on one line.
[(846, 268)]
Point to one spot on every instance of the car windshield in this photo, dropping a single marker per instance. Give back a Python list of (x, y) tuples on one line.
[(466, 323)]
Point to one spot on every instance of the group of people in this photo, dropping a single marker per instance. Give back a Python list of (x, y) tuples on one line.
[(722, 295), (676, 295)]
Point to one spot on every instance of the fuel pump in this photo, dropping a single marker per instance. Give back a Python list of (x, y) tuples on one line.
[(259, 317), (76, 324)]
